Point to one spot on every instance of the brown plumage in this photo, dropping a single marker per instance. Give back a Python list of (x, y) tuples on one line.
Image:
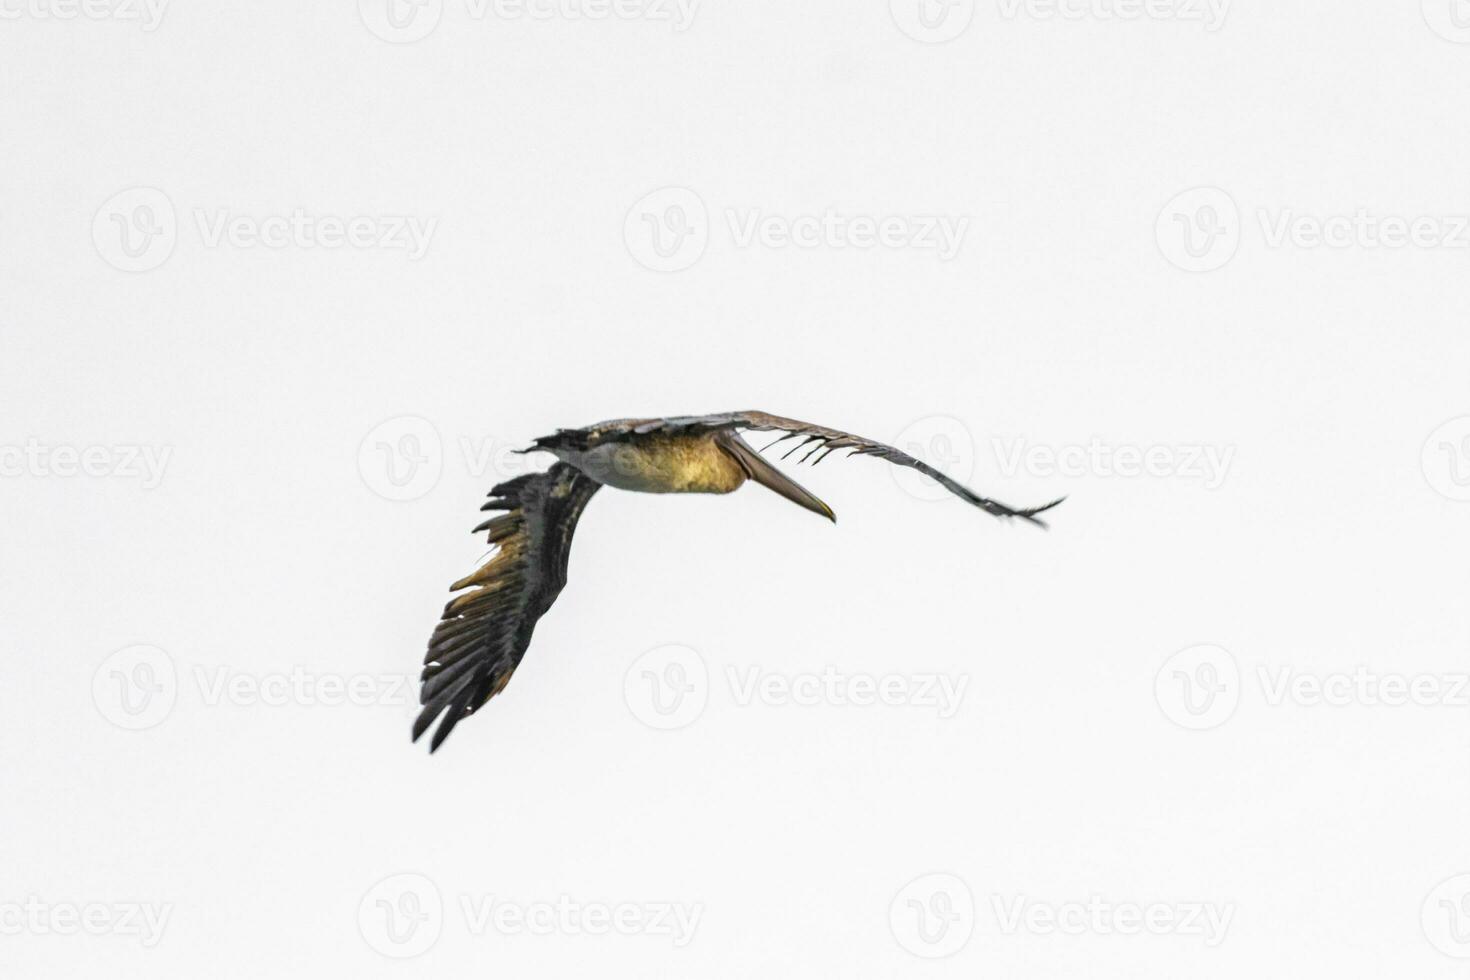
[(485, 631)]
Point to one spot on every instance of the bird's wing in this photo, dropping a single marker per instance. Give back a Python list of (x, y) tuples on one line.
[(485, 630), (815, 438)]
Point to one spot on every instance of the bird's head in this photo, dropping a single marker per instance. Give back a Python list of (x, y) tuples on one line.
[(559, 444)]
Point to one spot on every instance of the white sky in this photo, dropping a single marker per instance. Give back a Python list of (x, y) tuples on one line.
[(1029, 306)]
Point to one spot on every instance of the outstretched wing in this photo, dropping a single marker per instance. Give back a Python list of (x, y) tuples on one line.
[(815, 439), (485, 631)]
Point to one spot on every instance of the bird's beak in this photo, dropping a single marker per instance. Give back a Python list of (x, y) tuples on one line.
[(758, 469)]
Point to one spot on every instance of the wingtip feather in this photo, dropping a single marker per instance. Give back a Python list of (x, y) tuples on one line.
[(1030, 515), (425, 719)]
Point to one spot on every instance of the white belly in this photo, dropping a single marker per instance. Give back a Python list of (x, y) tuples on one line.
[(618, 465)]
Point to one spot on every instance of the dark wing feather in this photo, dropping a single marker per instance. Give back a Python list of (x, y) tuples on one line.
[(485, 631), (813, 438)]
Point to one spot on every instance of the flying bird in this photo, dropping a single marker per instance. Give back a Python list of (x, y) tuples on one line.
[(485, 630)]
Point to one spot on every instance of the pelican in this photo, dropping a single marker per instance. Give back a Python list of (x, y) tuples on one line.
[(485, 630)]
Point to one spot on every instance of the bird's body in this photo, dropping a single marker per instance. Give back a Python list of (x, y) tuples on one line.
[(485, 631), (660, 463)]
